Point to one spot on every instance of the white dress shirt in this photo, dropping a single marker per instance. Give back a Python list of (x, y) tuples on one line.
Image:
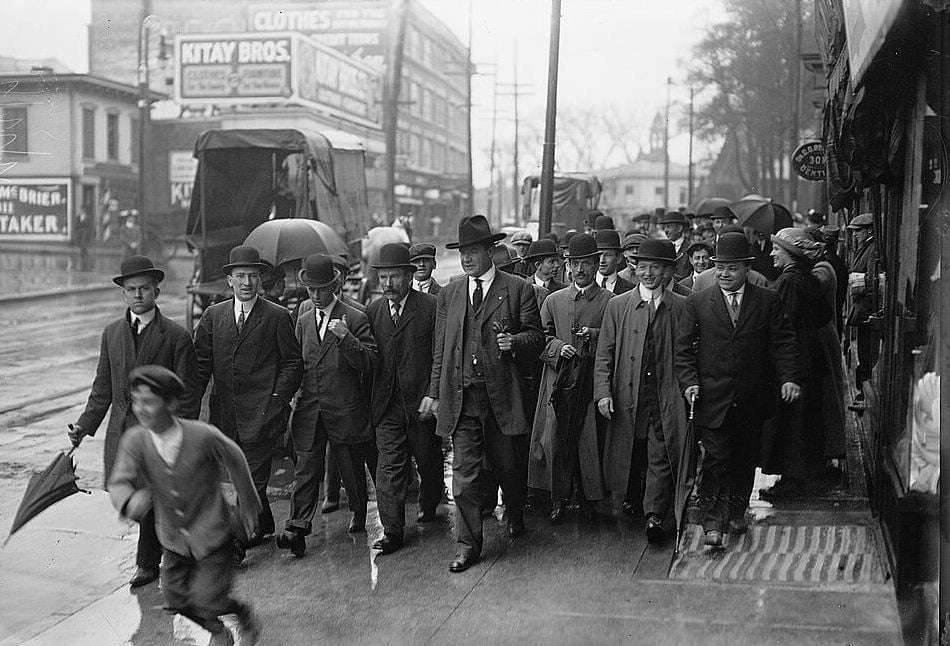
[(728, 296), (143, 320), (611, 281), (423, 286), (322, 330), (538, 281), (248, 306), (402, 306), (646, 294), (678, 244), (487, 279), (168, 444)]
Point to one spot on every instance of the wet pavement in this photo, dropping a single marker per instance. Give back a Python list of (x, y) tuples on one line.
[(63, 577)]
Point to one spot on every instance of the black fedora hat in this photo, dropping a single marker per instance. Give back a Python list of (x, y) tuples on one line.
[(541, 249), (318, 271), (581, 245), (394, 255), (475, 230), (607, 239), (160, 380), (244, 256), (674, 217), (137, 266), (723, 213), (732, 247), (656, 249)]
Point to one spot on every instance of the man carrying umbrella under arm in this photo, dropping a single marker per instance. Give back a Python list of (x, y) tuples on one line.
[(565, 443), (142, 336)]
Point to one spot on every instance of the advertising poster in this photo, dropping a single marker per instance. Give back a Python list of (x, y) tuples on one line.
[(240, 68), (35, 209)]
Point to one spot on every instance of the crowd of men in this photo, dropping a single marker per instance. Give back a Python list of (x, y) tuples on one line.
[(570, 367)]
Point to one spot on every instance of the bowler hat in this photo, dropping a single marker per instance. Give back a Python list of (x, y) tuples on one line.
[(607, 239), (137, 266), (570, 233), (474, 230), (723, 213), (656, 249), (550, 236), (394, 255), (162, 381), (699, 244), (674, 217), (732, 247), (863, 221), (541, 249), (591, 218), (244, 256), (318, 271), (421, 250), (603, 222), (633, 240), (731, 228), (581, 245), (521, 237)]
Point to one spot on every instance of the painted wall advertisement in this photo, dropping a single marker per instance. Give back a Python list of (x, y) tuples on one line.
[(182, 167), (35, 209), (280, 67)]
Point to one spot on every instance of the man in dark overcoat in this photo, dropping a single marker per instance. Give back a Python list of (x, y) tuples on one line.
[(862, 300), (141, 337), (403, 324), (636, 390), (734, 348), (333, 405), (248, 345), (487, 327), (560, 455)]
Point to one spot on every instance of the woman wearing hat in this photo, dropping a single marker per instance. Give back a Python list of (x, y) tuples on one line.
[(799, 449)]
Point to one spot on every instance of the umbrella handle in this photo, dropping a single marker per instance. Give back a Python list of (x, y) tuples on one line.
[(692, 406)]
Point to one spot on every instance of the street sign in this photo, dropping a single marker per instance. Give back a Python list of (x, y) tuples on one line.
[(809, 161)]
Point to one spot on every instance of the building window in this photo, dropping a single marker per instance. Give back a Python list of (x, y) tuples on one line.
[(13, 142), (628, 189), (112, 136), (659, 191), (89, 133), (134, 139)]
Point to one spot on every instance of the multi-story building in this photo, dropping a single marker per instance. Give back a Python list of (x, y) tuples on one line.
[(332, 82)]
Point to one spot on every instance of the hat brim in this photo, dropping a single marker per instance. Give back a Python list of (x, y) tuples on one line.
[(302, 277), (728, 259), (539, 256), (608, 248), (858, 227), (638, 256), (493, 238), (158, 273), (424, 256), (231, 265), (407, 266), (582, 255)]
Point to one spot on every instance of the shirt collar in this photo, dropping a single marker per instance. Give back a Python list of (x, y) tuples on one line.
[(402, 303), (539, 282), (145, 318), (419, 286), (248, 306), (646, 295), (488, 276), (587, 292), (740, 292), (329, 308)]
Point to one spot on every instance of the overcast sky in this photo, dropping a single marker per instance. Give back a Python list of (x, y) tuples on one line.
[(613, 52)]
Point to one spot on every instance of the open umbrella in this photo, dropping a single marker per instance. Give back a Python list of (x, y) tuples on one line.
[(762, 214), (710, 204), (286, 239), (47, 487), (686, 473)]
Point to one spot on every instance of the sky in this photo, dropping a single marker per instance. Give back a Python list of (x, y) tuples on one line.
[(612, 53)]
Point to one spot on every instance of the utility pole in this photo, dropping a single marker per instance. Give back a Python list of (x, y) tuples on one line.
[(689, 175), (796, 106), (550, 125), (515, 182), (470, 70), (666, 148), (393, 87), (145, 114), (491, 172)]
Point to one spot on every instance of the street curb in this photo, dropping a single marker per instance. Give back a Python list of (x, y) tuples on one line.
[(16, 298)]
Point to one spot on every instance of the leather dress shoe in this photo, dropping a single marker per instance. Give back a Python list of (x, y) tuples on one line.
[(426, 516), (655, 531), (329, 506), (462, 562), (557, 512), (296, 542), (714, 538), (515, 527), (388, 544), (255, 539), (738, 526), (143, 576), (357, 525)]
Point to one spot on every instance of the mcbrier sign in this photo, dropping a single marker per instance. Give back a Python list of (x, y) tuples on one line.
[(34, 209)]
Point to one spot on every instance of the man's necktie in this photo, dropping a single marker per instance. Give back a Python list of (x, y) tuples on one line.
[(395, 313), (652, 308), (734, 308), (241, 319), (135, 326), (477, 295), (320, 317), (603, 283)]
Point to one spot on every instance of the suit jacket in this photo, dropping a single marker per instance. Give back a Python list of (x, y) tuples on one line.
[(554, 285), (739, 366), (191, 515), (682, 268), (404, 352), (256, 371), (687, 282), (307, 305), (620, 286), (162, 342), (336, 380), (510, 301)]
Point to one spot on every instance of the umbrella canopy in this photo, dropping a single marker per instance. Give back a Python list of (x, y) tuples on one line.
[(47, 487), (762, 214), (379, 236), (710, 204), (685, 474), (285, 239)]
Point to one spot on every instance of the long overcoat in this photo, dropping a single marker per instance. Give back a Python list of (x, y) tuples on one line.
[(559, 313), (336, 380), (617, 369), (510, 302), (256, 371), (164, 343)]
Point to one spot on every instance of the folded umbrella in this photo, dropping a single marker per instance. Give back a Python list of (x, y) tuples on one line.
[(283, 239), (762, 214), (47, 487), (685, 475)]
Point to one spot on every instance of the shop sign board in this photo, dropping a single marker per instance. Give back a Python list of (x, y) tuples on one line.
[(182, 167), (809, 161), (866, 24), (35, 209)]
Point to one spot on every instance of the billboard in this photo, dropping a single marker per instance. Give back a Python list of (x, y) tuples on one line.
[(35, 209), (279, 67)]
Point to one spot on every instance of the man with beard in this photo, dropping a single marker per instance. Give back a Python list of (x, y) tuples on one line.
[(403, 324), (561, 454), (636, 391)]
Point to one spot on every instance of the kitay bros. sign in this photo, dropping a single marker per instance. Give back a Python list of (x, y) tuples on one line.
[(34, 209), (809, 161)]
